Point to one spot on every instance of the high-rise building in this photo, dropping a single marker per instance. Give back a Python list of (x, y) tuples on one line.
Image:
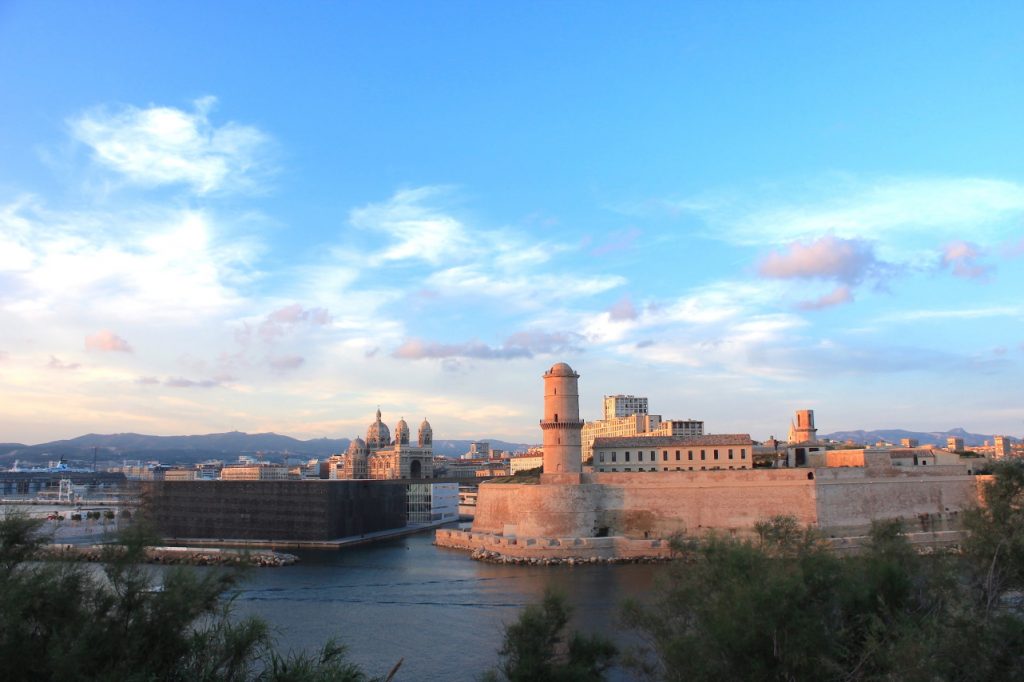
[(624, 406), (478, 449), (637, 426), (1002, 447), (955, 444)]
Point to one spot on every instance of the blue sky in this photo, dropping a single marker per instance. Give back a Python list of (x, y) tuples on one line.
[(220, 216)]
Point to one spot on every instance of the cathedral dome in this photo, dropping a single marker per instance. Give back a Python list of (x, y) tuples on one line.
[(356, 447), (402, 432), (378, 435)]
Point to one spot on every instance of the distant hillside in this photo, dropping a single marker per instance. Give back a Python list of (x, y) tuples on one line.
[(191, 449), (924, 438)]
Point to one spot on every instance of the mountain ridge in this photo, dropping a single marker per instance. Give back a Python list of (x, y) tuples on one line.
[(196, 448), (923, 437)]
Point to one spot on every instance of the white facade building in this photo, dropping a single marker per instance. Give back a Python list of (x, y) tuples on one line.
[(673, 453), (624, 405)]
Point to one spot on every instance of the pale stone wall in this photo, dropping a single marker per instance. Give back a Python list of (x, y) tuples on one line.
[(640, 505), (849, 499), (635, 504)]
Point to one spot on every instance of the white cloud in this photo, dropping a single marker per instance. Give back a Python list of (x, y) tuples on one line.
[(867, 209), (954, 314), (522, 289), (416, 230), (167, 146), (157, 264)]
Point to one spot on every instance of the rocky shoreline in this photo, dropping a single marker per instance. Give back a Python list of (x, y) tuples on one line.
[(190, 556), (491, 557)]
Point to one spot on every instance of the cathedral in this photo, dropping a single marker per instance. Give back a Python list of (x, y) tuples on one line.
[(379, 457)]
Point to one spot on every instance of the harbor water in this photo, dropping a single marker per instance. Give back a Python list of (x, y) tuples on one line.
[(439, 611)]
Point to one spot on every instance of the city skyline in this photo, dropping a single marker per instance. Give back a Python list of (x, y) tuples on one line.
[(275, 219)]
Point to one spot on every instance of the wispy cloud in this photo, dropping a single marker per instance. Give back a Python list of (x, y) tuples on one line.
[(58, 364), (107, 341), (955, 314), (616, 242), (853, 208), (522, 290), (962, 258), (519, 345), (167, 146), (838, 296), (414, 227), (286, 362), (623, 309), (180, 382), (283, 321), (1013, 248)]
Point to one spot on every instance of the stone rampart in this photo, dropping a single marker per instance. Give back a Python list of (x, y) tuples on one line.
[(930, 498), (646, 505)]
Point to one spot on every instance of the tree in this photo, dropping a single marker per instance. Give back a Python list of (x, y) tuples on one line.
[(61, 621), (536, 648), (785, 607)]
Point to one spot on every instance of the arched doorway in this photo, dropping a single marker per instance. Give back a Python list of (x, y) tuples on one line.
[(415, 469)]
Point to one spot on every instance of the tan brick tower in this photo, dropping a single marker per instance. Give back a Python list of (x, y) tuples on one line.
[(562, 426)]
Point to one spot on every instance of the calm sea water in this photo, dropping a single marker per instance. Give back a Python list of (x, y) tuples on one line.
[(437, 609)]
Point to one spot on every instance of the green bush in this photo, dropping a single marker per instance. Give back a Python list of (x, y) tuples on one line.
[(62, 621)]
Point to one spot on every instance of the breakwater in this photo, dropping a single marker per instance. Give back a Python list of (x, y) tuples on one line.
[(192, 556)]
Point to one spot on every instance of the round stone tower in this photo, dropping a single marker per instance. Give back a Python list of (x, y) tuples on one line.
[(562, 426)]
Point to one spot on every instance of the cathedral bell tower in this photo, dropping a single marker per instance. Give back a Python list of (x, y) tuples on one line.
[(562, 426)]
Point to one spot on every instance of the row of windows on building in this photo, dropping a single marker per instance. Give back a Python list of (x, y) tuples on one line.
[(664, 455), (639, 468)]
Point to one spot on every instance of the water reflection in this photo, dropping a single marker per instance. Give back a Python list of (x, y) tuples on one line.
[(436, 608)]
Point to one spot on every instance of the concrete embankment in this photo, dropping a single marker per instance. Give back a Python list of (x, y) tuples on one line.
[(177, 555)]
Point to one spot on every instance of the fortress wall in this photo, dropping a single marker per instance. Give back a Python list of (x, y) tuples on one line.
[(658, 504), (536, 510), (850, 499), (646, 504)]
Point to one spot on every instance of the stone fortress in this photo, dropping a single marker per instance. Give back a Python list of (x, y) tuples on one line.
[(624, 512), (381, 458)]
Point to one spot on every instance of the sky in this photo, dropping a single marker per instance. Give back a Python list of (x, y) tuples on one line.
[(280, 216)]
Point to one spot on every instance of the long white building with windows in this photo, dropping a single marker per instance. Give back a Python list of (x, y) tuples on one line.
[(673, 453)]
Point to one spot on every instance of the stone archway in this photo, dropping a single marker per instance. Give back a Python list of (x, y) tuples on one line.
[(415, 469)]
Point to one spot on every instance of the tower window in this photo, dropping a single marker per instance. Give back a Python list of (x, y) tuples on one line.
[(677, 455), (627, 456), (703, 455), (689, 455)]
